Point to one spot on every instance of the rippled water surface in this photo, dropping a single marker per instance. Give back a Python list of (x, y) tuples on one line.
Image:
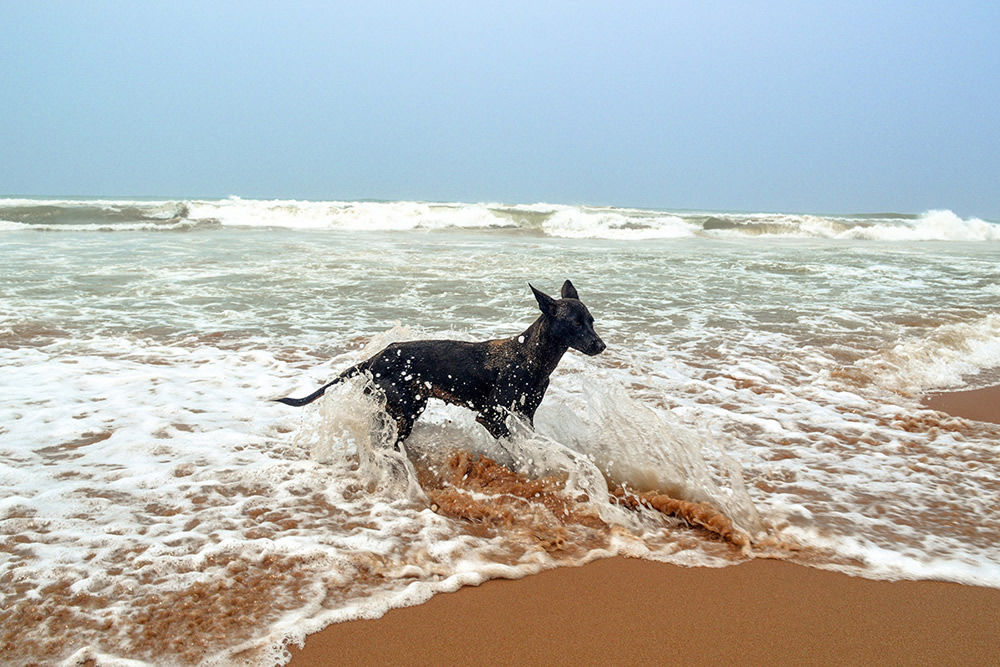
[(759, 397)]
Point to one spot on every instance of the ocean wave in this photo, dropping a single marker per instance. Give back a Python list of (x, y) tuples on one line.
[(609, 224), (940, 225), (349, 216), (95, 215), (551, 220), (937, 225), (942, 358)]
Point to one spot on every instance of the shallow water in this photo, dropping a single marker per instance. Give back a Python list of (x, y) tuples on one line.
[(766, 369)]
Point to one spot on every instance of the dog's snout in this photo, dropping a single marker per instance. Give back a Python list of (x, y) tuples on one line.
[(597, 347)]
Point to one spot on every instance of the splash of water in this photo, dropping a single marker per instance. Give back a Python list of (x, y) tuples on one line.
[(352, 420), (642, 449), (613, 442)]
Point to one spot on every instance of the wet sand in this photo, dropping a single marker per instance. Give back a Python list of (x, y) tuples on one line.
[(623, 610), (978, 404)]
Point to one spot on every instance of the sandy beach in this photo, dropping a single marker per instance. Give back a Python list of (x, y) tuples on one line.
[(978, 404), (628, 611), (632, 611)]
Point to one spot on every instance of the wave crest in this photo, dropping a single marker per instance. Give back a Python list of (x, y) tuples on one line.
[(941, 358), (560, 221)]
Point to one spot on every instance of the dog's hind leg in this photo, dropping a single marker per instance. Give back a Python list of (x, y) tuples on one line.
[(405, 410)]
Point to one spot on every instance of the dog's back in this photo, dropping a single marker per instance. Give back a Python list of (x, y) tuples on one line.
[(493, 378)]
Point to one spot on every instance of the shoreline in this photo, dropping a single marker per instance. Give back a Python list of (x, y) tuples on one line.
[(976, 404), (624, 610)]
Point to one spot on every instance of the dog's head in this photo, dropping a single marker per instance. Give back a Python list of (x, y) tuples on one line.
[(569, 320)]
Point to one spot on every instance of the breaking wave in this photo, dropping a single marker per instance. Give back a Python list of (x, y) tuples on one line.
[(552, 220), (944, 357)]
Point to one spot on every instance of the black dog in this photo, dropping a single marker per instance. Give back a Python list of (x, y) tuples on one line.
[(493, 378)]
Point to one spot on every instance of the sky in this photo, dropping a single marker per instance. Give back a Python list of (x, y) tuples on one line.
[(823, 107)]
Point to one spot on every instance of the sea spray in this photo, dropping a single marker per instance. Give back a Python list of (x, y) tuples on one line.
[(351, 419), (937, 357), (654, 462), (643, 449)]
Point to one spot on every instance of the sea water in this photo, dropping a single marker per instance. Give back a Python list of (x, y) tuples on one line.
[(763, 375)]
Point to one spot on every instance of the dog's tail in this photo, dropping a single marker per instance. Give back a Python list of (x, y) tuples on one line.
[(299, 402)]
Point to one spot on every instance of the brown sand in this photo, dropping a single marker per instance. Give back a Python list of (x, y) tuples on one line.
[(621, 611), (979, 404), (627, 611)]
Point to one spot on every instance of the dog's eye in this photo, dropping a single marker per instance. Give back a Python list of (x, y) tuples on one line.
[(578, 324)]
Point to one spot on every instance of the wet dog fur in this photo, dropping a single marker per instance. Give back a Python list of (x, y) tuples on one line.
[(493, 378)]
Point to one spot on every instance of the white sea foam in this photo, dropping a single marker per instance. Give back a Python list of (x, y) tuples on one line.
[(931, 226), (582, 222), (940, 225), (939, 359), (564, 221), (645, 449), (346, 216), (617, 225), (875, 561), (577, 222)]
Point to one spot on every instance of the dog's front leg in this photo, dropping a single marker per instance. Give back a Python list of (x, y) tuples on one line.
[(510, 396), (494, 420)]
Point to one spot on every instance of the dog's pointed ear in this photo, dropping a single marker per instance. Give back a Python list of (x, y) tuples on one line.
[(546, 303), (568, 291)]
